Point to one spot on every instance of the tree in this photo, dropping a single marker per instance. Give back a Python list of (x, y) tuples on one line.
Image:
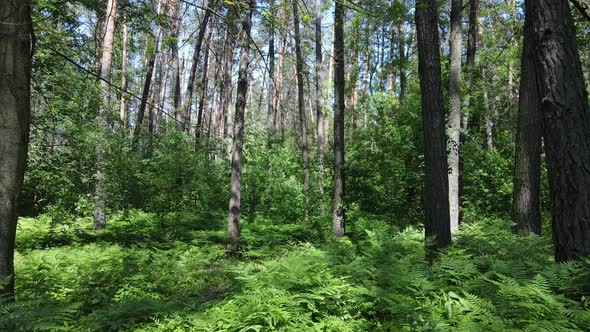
[(566, 122), (454, 126), (470, 60), (436, 202), (338, 212), (15, 98), (124, 64), (238, 134), (300, 98), (526, 210), (318, 93), (106, 63), (272, 112)]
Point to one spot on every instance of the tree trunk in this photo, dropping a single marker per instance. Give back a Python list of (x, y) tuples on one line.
[(144, 97), (124, 64), (238, 135), (526, 210), (279, 88), (300, 99), (272, 113), (318, 94), (402, 61), (106, 63), (338, 212), (15, 98), (188, 95), (174, 32), (204, 90), (566, 122), (489, 116), (436, 202), (470, 61), (225, 88), (454, 126)]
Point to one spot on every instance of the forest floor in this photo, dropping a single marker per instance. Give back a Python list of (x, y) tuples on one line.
[(140, 274)]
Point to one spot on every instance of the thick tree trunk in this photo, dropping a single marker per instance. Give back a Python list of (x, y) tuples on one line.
[(106, 63), (124, 64), (238, 135), (526, 209), (338, 212), (300, 98), (188, 95), (454, 126), (566, 120), (436, 202), (15, 98)]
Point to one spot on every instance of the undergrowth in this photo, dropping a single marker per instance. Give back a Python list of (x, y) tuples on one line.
[(144, 275)]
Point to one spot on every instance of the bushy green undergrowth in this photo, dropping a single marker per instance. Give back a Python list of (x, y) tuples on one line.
[(140, 276)]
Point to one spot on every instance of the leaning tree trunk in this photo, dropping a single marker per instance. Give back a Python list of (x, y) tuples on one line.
[(15, 98), (338, 212), (236, 157), (566, 122), (300, 100), (454, 126), (436, 202), (204, 90), (106, 63), (526, 210)]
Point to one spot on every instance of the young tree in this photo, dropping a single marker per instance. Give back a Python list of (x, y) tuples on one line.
[(338, 212), (300, 97), (566, 123), (526, 210), (15, 98), (454, 126), (238, 134), (106, 63), (436, 202)]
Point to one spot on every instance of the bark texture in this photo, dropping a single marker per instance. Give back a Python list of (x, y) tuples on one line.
[(436, 202), (566, 122), (454, 126), (526, 209), (233, 228), (338, 212)]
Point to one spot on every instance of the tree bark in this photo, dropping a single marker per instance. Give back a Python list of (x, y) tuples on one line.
[(124, 64), (318, 94), (238, 135), (106, 63), (300, 99), (338, 212), (272, 112), (174, 32), (470, 60), (454, 126), (15, 98), (526, 209), (436, 202), (566, 122), (402, 61), (225, 88), (204, 90)]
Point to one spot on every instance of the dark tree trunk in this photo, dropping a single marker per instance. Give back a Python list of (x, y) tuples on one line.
[(402, 61), (225, 88), (470, 60), (174, 32), (272, 112), (454, 126), (15, 96), (566, 122), (238, 135), (436, 201), (204, 90), (144, 97), (526, 210), (338, 212), (300, 98), (318, 94)]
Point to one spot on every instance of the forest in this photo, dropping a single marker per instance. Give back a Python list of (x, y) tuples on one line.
[(294, 165)]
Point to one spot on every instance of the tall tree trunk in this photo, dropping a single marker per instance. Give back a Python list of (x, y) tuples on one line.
[(454, 126), (15, 98), (124, 64), (106, 62), (318, 94), (436, 202), (402, 61), (526, 209), (470, 61), (391, 70), (300, 99), (489, 112), (238, 135), (338, 212), (174, 32), (272, 113), (204, 90), (225, 88), (566, 122), (279, 88), (185, 110)]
